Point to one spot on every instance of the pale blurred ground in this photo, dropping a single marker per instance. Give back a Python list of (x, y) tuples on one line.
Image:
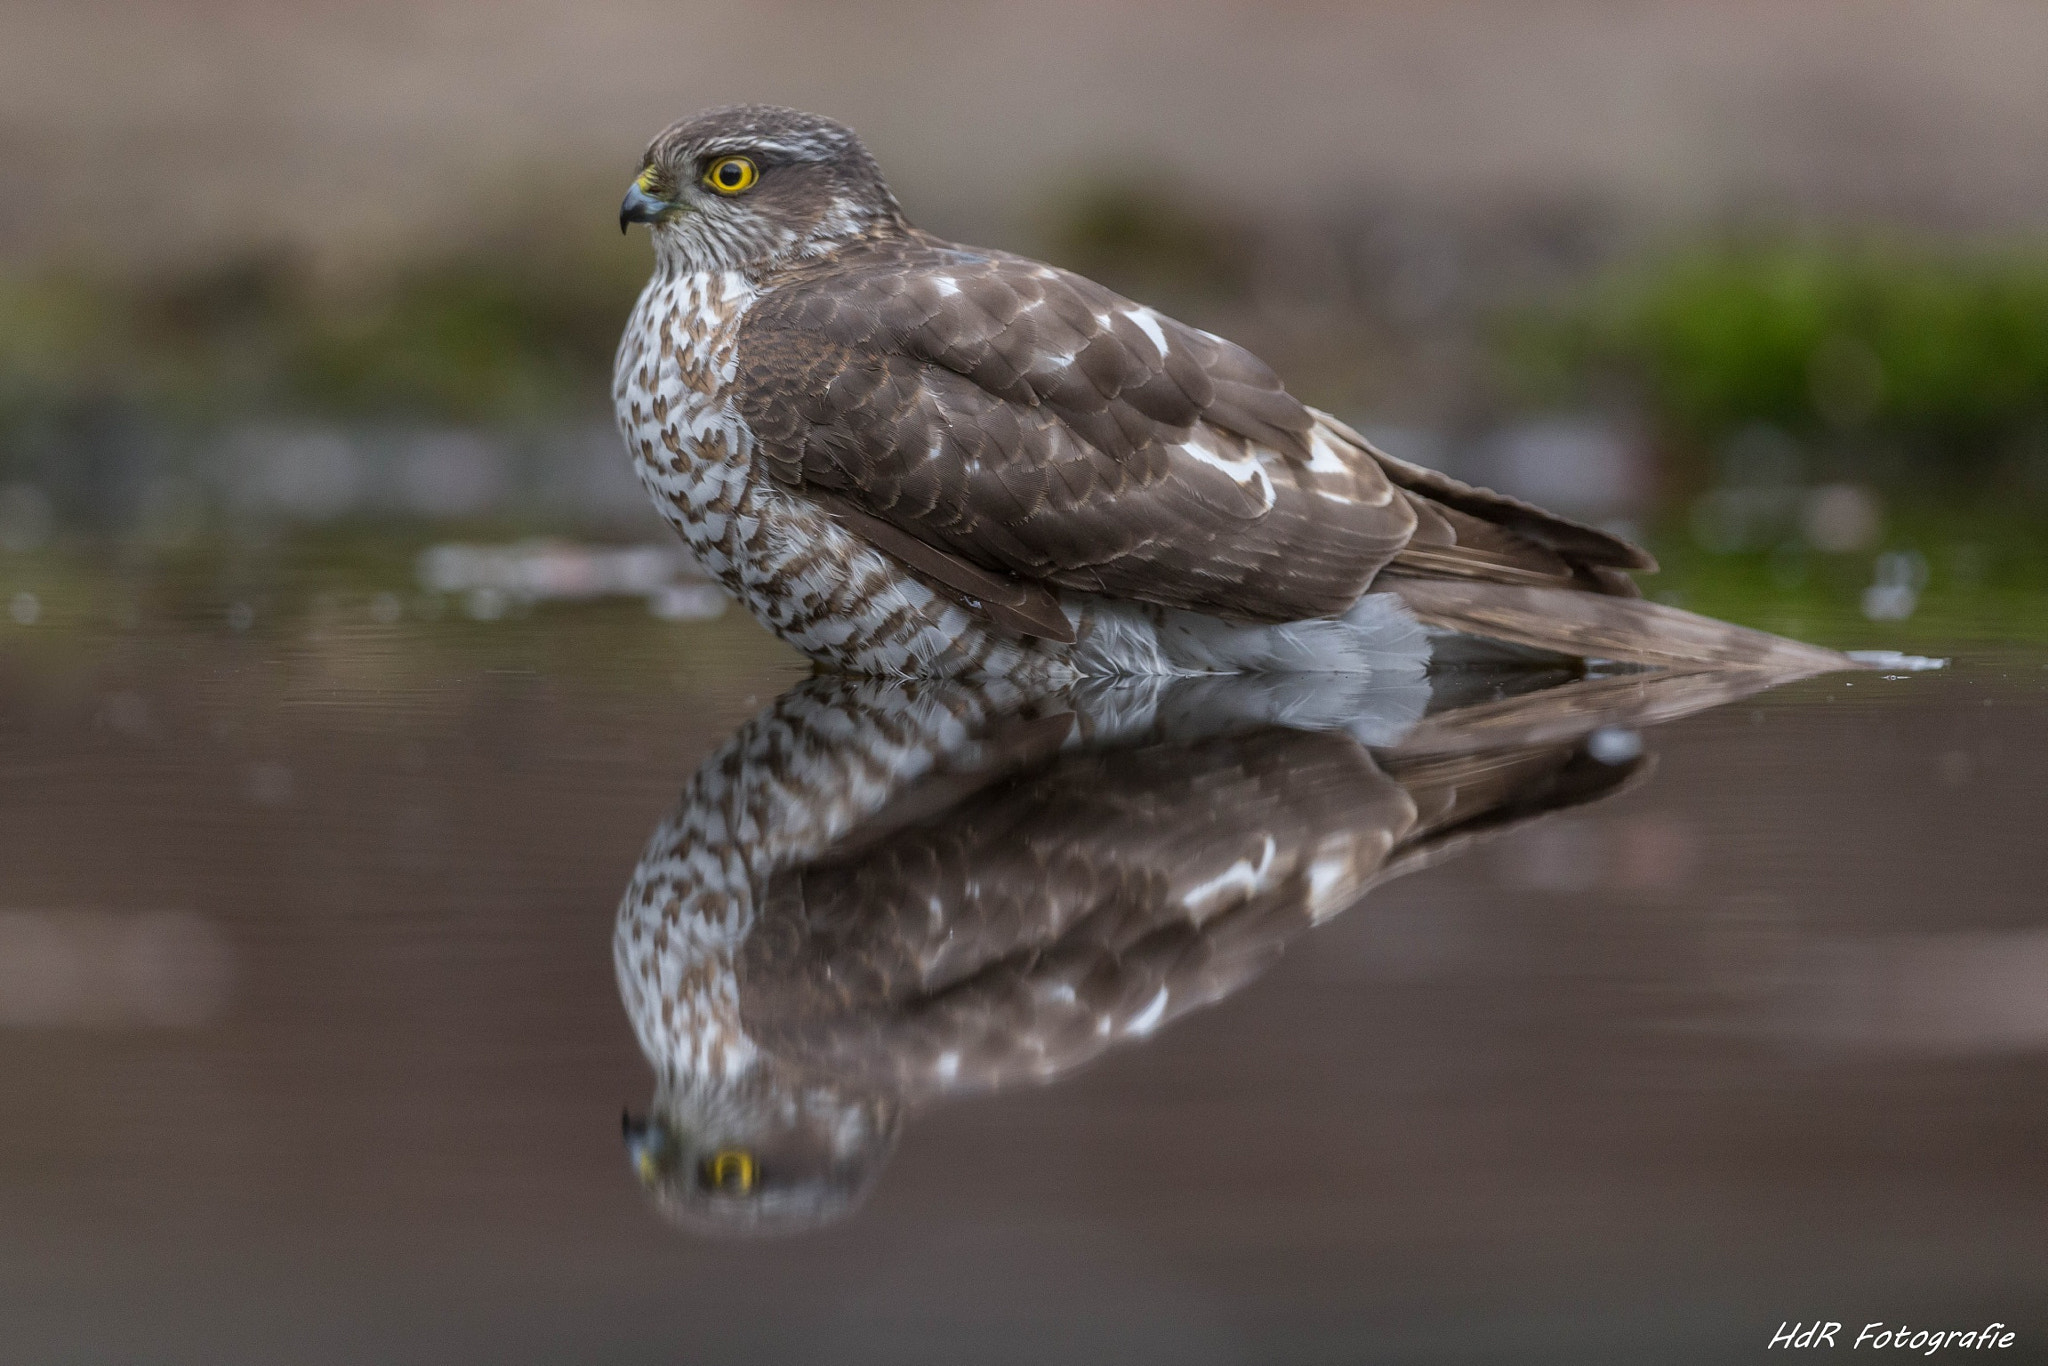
[(153, 129)]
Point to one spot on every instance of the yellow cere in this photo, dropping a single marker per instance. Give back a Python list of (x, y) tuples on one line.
[(732, 1169), (731, 175)]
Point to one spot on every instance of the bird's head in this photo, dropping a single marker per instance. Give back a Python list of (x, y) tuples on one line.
[(753, 1158), (754, 186)]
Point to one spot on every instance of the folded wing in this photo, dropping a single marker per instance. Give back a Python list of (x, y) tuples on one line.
[(1006, 429)]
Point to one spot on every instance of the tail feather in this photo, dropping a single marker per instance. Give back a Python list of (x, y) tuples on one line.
[(1595, 626), (1576, 543)]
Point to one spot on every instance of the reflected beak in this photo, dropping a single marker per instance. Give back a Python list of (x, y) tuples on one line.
[(644, 1141), (641, 207)]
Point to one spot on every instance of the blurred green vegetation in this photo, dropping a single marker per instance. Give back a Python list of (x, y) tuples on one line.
[(1983, 570), (515, 329), (1888, 361)]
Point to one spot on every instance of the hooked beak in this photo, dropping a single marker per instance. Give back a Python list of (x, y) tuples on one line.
[(641, 207)]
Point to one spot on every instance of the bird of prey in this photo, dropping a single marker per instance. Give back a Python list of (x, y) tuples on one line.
[(881, 893), (911, 457)]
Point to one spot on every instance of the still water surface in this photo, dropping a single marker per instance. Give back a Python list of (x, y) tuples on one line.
[(1621, 1020)]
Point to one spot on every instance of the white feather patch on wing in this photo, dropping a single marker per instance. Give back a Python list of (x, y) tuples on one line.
[(1148, 323), (1322, 455), (1244, 471)]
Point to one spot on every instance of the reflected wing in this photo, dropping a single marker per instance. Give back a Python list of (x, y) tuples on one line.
[(1057, 914)]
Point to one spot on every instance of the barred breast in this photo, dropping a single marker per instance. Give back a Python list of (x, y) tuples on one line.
[(809, 580)]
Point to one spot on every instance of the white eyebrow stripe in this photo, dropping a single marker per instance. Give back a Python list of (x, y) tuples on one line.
[(809, 147)]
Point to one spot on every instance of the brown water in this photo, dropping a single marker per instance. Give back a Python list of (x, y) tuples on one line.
[(312, 1047)]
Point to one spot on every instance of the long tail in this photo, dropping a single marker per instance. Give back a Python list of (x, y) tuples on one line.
[(1595, 626), (1484, 564)]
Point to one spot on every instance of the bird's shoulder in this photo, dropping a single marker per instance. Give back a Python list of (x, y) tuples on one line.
[(1121, 375)]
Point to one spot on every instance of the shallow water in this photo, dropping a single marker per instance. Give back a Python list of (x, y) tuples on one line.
[(312, 1047)]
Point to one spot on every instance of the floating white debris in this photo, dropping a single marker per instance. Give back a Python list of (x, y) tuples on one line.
[(1894, 593), (484, 604), (687, 602), (1893, 662), (1841, 518), (1889, 601), (1614, 745), (497, 576)]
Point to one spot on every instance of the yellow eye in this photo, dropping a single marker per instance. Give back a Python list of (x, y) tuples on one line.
[(731, 175), (732, 1170)]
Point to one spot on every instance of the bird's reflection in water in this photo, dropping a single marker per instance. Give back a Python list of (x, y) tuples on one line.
[(876, 895)]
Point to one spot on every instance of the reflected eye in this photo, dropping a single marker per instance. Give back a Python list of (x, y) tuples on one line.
[(732, 1170), (731, 175)]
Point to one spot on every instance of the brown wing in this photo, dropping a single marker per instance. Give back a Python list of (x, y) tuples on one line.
[(1022, 421)]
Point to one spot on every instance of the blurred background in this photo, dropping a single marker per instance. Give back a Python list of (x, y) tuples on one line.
[(1765, 284)]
